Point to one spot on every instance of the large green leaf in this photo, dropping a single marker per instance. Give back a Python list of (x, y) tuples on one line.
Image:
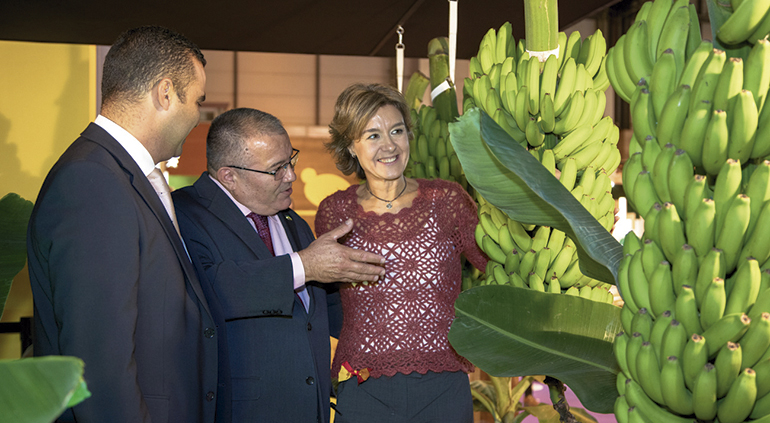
[(509, 331), (14, 215), (509, 177), (38, 390)]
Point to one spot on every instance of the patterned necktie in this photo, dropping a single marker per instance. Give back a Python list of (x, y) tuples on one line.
[(263, 229), (158, 182)]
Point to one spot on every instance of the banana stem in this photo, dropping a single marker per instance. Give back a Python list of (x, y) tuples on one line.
[(486, 403), (503, 389), (541, 23), (438, 59), (556, 389)]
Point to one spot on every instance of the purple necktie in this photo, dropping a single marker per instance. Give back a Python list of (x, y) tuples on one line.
[(263, 229)]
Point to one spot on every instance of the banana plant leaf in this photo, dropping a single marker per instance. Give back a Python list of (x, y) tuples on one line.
[(14, 215), (34, 390), (509, 331), (508, 176)]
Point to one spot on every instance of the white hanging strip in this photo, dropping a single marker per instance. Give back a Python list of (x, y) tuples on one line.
[(452, 37), (400, 59)]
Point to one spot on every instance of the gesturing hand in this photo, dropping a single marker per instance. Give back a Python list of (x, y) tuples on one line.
[(326, 260)]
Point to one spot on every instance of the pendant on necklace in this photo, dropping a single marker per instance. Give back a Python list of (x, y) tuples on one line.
[(389, 206)]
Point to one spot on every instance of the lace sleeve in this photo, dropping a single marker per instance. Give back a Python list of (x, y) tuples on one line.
[(467, 219)]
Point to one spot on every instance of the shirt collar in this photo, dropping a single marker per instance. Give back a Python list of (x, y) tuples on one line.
[(133, 147), (245, 210)]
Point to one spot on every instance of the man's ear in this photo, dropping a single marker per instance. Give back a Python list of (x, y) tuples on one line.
[(162, 93), (227, 177)]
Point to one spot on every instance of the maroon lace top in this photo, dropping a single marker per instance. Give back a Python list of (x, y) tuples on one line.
[(400, 324)]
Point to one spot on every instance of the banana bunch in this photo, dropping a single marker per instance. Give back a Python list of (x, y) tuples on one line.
[(553, 105), (689, 115), (431, 152), (748, 22), (535, 257), (696, 337), (555, 109), (659, 26)]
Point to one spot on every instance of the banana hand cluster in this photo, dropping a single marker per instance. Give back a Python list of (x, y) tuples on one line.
[(748, 22), (431, 152), (535, 257)]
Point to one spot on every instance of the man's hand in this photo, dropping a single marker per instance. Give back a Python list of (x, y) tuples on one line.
[(326, 260)]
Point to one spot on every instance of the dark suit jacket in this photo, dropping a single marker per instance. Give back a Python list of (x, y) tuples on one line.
[(278, 355), (112, 284)]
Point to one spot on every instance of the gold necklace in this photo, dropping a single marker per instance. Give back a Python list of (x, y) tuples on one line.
[(389, 204)]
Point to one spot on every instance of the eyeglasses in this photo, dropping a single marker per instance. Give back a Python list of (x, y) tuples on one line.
[(279, 173)]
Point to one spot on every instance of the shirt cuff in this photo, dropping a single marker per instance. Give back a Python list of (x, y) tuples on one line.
[(299, 270)]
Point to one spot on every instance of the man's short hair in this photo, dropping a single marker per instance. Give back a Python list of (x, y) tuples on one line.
[(225, 141)]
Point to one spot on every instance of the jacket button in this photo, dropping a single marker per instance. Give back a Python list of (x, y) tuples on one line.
[(309, 327), (310, 380), (210, 396), (266, 312), (208, 333)]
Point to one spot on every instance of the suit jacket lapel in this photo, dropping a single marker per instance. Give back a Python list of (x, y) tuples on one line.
[(221, 206)]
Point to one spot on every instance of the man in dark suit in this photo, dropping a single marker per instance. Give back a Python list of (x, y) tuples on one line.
[(274, 358), (111, 280)]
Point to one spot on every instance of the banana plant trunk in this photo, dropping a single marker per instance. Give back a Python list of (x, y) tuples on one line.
[(541, 24)]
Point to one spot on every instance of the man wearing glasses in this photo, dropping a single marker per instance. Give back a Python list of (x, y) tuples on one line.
[(264, 275)]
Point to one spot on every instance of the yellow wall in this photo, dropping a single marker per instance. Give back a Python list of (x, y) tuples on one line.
[(47, 97)]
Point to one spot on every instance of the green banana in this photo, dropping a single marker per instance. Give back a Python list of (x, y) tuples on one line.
[(697, 189), (686, 310), (696, 61), (740, 25), (624, 284), (728, 365), (712, 265), (680, 169), (631, 169), (758, 243), (643, 115), (674, 35), (695, 125), (673, 115), (733, 229), (704, 393), (756, 75), (758, 189), (705, 83), (622, 82), (639, 287), (715, 143), (651, 411), (743, 286), (661, 285), (756, 340), (684, 269), (663, 81), (659, 326), (729, 84), (743, 126), (644, 195), (642, 323), (648, 371), (763, 381), (670, 231), (673, 389), (727, 187), (729, 328), (736, 406), (712, 307), (674, 340), (565, 87), (700, 229), (659, 172), (694, 357)]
